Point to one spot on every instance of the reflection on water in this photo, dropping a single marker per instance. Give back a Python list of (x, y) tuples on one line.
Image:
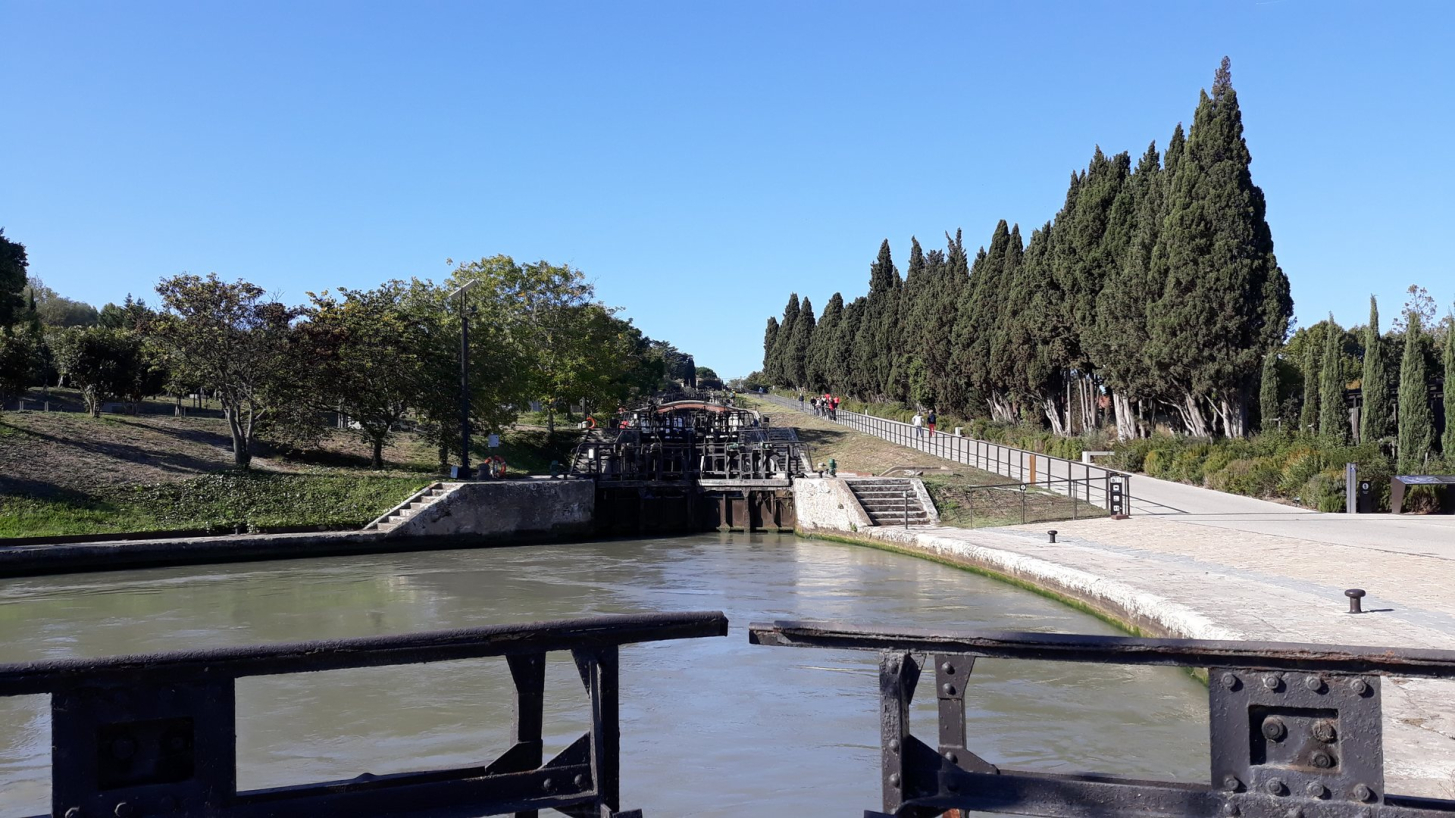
[(709, 727)]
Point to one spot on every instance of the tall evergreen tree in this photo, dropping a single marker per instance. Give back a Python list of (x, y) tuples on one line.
[(1268, 405), (824, 348), (875, 344), (1308, 418), (941, 351), (770, 341), (797, 362), (1416, 423), (907, 332), (13, 266), (1226, 303), (1333, 419), (1447, 440), (1376, 422), (780, 371)]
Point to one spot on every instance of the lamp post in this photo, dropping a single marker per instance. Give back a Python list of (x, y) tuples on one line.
[(462, 471)]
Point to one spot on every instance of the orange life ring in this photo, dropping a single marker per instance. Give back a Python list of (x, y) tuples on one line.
[(495, 466), (590, 422)]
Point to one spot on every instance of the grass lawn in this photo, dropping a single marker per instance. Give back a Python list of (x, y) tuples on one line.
[(66, 473), (961, 494)]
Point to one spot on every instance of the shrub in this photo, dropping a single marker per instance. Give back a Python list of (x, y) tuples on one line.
[(1253, 477)]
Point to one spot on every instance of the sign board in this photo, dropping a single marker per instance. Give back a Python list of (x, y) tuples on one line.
[(495, 441)]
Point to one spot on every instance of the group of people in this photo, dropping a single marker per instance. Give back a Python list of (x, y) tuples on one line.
[(824, 405), (921, 422)]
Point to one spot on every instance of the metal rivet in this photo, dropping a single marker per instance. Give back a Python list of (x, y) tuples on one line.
[(951, 757), (1359, 686), (1313, 683), (123, 810), (894, 780), (546, 785), (1272, 682), (948, 668), (1231, 783), (948, 688), (1230, 681), (1316, 790), (1324, 730), (1275, 786), (579, 781), (1362, 792), (1296, 812), (894, 745), (1273, 729), (1323, 761), (1355, 594), (1231, 810), (953, 786)]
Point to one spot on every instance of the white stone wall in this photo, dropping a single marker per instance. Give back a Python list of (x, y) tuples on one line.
[(826, 504)]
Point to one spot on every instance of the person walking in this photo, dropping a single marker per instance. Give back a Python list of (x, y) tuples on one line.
[(918, 422), (835, 411), (930, 422), (800, 400)]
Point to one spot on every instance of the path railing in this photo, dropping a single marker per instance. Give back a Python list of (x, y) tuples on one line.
[(1096, 485), (156, 734), (1296, 730)]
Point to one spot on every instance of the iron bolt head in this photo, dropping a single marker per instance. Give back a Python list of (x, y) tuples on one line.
[(1275, 786), (952, 786), (948, 688), (1316, 790), (1313, 683), (894, 780), (1324, 730), (951, 756), (1323, 760), (547, 784), (1362, 792), (1273, 729), (579, 781), (948, 668), (1273, 681), (894, 745), (1231, 783), (1358, 686), (1230, 681), (123, 810)]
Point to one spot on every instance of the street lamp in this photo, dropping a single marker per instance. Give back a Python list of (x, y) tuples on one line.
[(462, 471)]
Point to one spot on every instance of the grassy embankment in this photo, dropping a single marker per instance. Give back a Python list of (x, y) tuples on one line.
[(1305, 471), (961, 495), (66, 473)]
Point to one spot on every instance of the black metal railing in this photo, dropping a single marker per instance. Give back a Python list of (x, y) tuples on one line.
[(1296, 729), (999, 504), (1097, 485), (155, 734)]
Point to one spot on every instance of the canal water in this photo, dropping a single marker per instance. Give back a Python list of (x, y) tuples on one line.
[(710, 727)]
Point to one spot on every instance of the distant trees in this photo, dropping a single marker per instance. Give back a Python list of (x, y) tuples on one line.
[(1156, 283), (13, 266), (1375, 418), (1416, 423)]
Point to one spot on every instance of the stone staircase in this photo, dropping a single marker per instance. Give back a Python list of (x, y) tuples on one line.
[(421, 500), (883, 499)]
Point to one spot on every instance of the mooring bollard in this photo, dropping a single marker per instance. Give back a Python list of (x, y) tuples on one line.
[(1052, 532), (1355, 594)]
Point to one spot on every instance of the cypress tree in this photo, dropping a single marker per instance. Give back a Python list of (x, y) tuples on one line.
[(1375, 421), (797, 362), (1268, 393), (1416, 424), (942, 350), (1308, 418), (1333, 420), (824, 349), (874, 346), (770, 338), (1225, 303), (1447, 440), (781, 373), (907, 331)]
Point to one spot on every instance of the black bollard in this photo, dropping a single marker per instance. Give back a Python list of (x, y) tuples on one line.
[(1355, 594), (1052, 532)]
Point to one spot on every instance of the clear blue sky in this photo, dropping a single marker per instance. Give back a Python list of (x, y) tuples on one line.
[(697, 161)]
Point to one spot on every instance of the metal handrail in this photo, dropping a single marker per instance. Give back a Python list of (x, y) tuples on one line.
[(986, 455)]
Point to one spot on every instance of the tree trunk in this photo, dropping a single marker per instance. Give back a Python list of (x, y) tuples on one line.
[(242, 456), (1053, 414), (1192, 418), (551, 418), (1126, 422), (378, 453), (444, 457)]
